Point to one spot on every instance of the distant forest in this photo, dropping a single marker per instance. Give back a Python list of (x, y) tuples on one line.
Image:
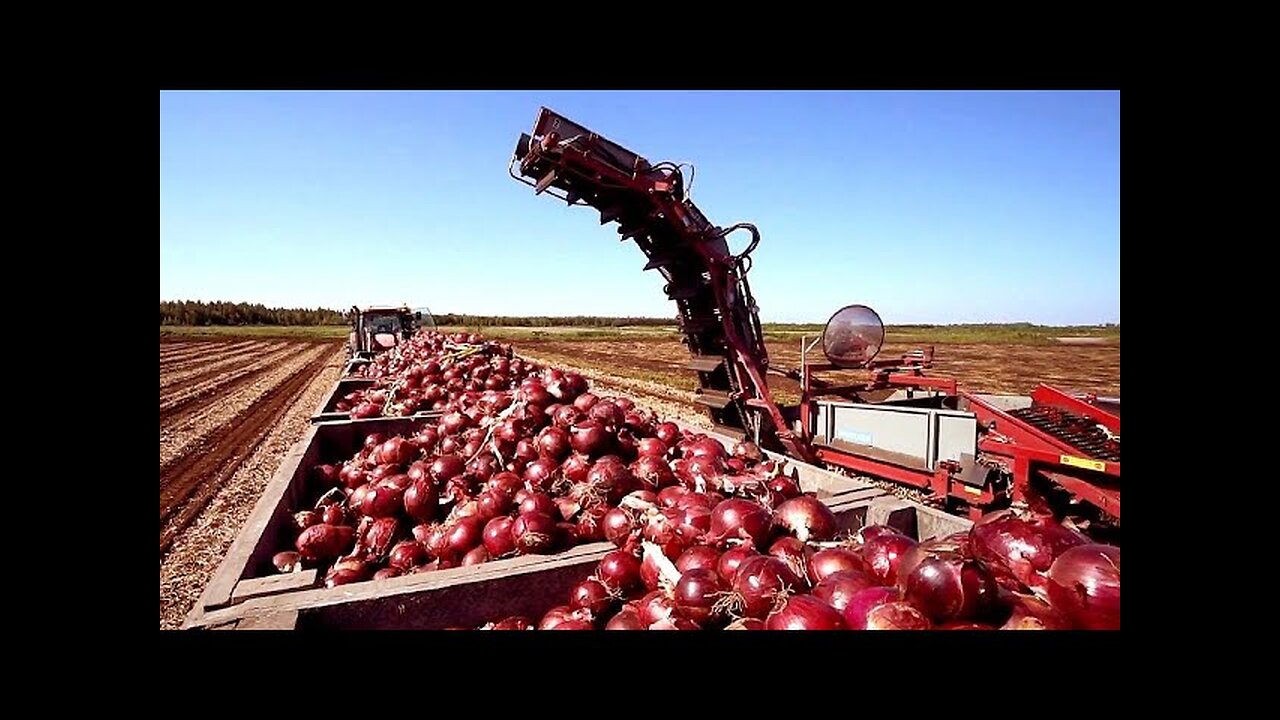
[(546, 321), (186, 312)]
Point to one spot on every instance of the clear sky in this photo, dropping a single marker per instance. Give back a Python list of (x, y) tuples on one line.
[(929, 206)]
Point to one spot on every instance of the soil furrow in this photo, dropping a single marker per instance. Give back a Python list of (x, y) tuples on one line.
[(173, 407), (190, 482)]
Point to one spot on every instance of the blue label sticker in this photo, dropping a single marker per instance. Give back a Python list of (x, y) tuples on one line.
[(855, 437)]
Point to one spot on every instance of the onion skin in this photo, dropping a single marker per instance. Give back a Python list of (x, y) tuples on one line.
[(287, 561), (807, 518), (696, 593), (1032, 613), (592, 595), (837, 589), (513, 623), (475, 556), (406, 554), (321, 543), (738, 518), (825, 563), (746, 624), (619, 571), (761, 583), (534, 533), (698, 556), (883, 554), (421, 502), (731, 560), (805, 612), (896, 616), (1084, 585), (465, 534), (625, 620), (497, 537), (618, 525), (796, 555), (1020, 552), (305, 519), (862, 603), (950, 588)]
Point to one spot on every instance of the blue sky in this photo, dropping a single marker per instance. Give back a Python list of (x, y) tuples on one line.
[(929, 206)]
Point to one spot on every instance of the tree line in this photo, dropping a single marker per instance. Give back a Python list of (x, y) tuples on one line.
[(194, 312), (452, 319), (187, 312)]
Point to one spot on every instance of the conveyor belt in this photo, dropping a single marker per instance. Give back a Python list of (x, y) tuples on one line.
[(1081, 433)]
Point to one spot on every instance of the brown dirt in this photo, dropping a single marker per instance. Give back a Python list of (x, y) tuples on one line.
[(1015, 369), (196, 552), (187, 397), (206, 365), (190, 476)]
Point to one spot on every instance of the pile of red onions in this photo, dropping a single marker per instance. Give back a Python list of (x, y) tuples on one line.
[(739, 577), (526, 460)]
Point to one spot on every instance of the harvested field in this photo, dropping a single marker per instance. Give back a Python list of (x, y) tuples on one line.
[(982, 367), (229, 409)]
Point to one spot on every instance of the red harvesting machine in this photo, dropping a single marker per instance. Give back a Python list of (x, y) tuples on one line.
[(972, 452)]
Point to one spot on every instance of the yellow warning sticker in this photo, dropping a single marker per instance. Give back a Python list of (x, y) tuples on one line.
[(1083, 463), (973, 490)]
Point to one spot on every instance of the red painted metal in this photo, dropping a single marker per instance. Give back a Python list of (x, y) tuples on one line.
[(1046, 395), (719, 318)]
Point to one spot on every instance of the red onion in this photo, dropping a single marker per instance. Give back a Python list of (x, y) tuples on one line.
[(1032, 613), (948, 587), (589, 437), (805, 612), (737, 518), (667, 432), (406, 554), (536, 502), (564, 615), (526, 451), (421, 501), (475, 556), (1084, 585), (334, 515), (618, 525), (748, 451), (465, 534), (454, 423), (795, 554), (540, 473), (534, 533), (584, 401), (761, 583), (883, 554), (287, 562), (696, 594), (305, 519), (387, 573), (896, 616), (655, 606), (619, 571), (554, 444), (671, 496), (746, 624), (675, 623), (730, 560), (705, 446), (625, 620), (506, 484), (591, 527), (327, 474), (497, 537), (321, 543), (447, 467), (864, 601), (576, 467), (785, 486), (380, 537), (492, 504), (833, 560), (608, 413), (654, 472), (651, 447), (427, 438), (839, 588), (1018, 551), (590, 594), (698, 556), (806, 518)]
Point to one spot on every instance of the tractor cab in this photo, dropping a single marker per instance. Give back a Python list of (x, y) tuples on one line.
[(376, 329)]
